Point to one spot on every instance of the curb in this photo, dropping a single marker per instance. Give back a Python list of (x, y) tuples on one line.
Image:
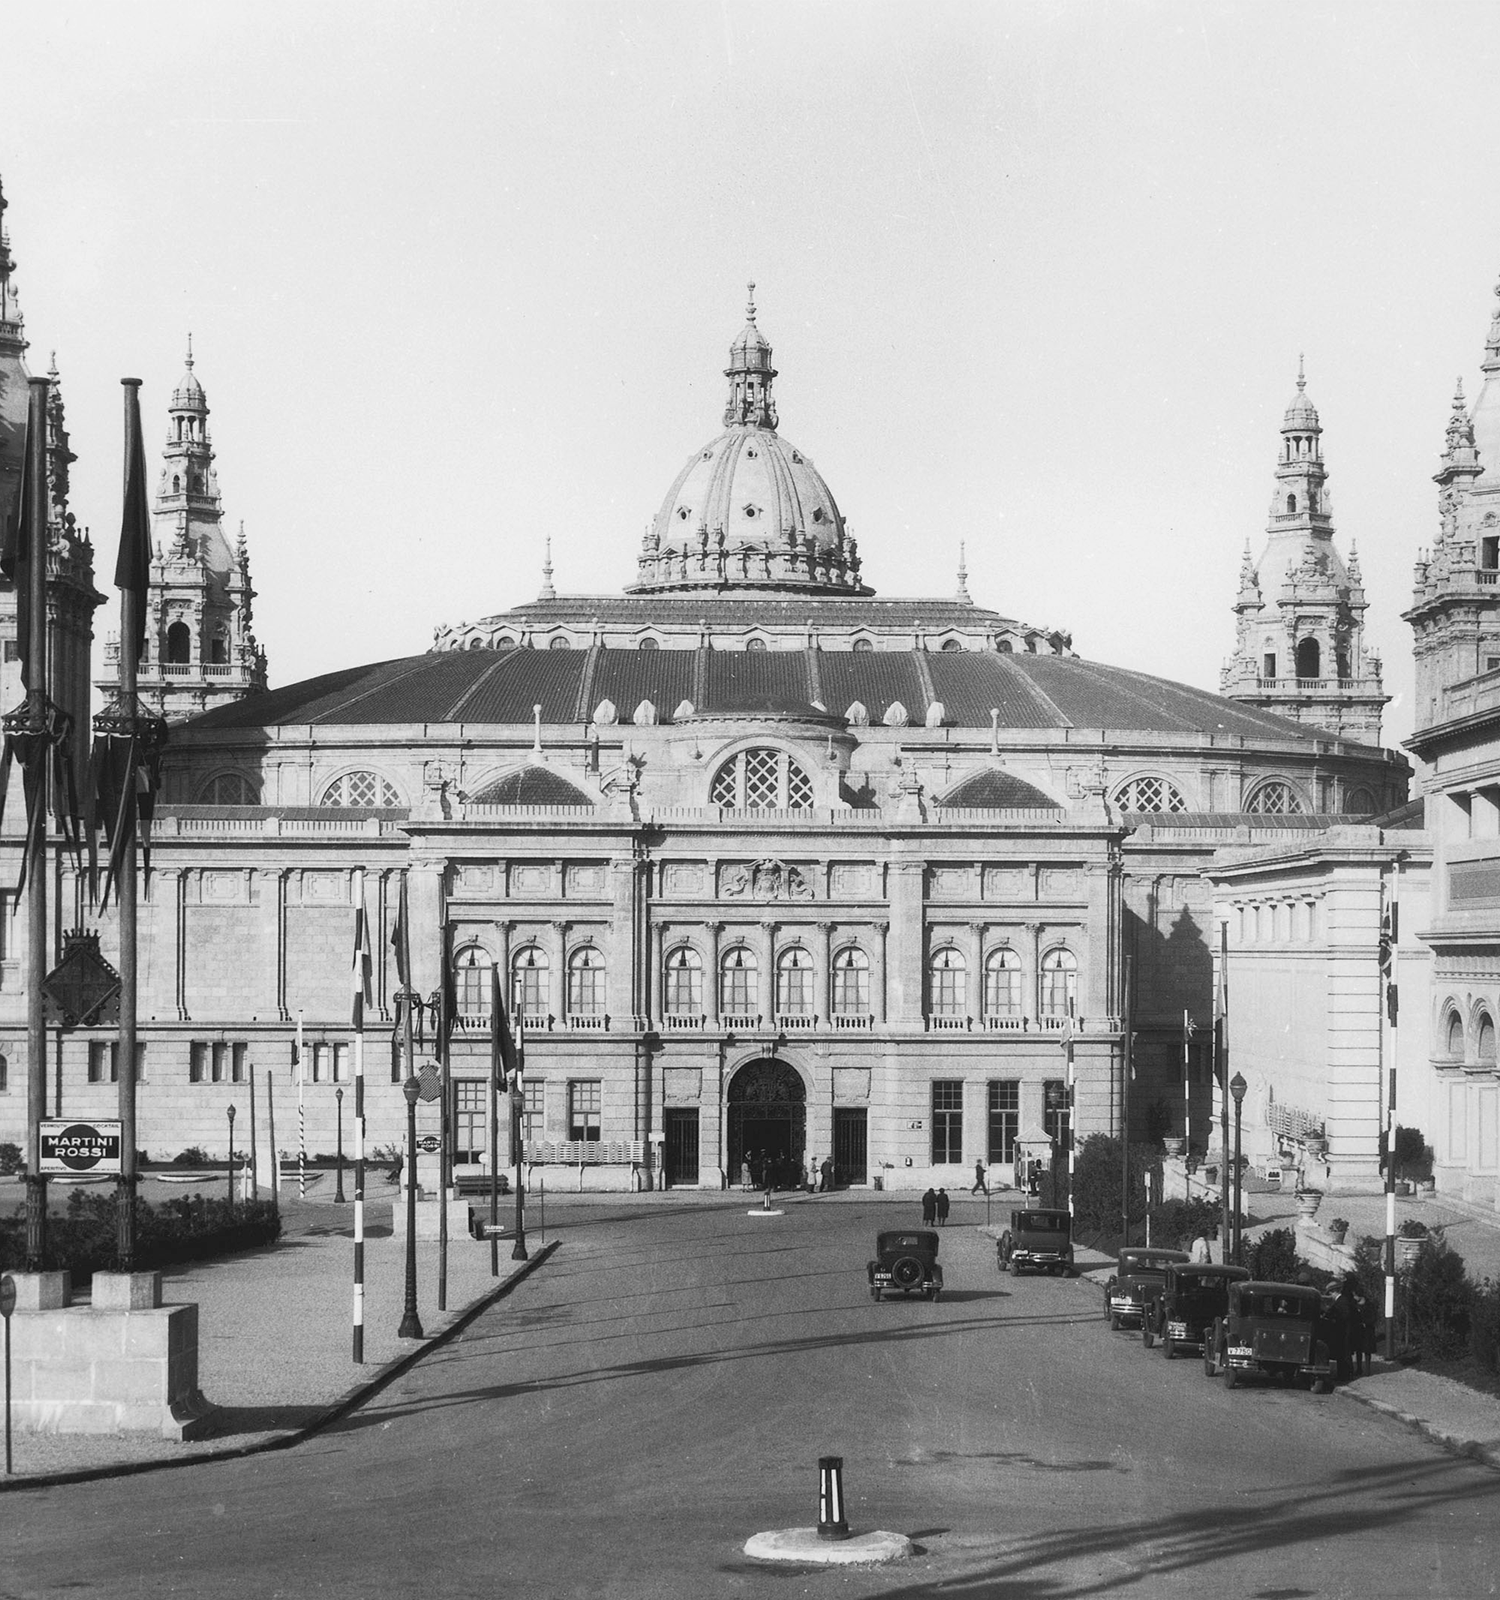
[(1484, 1455), (350, 1400)]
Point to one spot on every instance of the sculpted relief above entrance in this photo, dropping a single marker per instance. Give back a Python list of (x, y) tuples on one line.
[(766, 880)]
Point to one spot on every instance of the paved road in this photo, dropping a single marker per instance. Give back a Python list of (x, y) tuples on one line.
[(662, 1389)]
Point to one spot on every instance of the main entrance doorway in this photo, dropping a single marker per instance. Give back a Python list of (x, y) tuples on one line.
[(850, 1145), (767, 1122), (682, 1145)]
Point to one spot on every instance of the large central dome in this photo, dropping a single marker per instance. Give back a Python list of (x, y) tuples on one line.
[(749, 510)]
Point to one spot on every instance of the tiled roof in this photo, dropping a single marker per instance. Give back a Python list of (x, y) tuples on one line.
[(502, 686), (737, 611), (531, 786), (997, 790)]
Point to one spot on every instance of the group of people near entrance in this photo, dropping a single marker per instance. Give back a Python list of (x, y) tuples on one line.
[(759, 1169)]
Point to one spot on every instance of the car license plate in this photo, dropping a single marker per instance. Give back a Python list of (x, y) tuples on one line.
[(1177, 1330), (1240, 1350)]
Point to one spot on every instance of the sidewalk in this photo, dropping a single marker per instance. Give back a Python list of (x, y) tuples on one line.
[(275, 1336)]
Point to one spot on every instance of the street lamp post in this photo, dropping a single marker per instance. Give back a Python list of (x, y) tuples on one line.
[(411, 1323), (231, 1157), (1054, 1103), (1237, 1087), (518, 1106), (338, 1194)]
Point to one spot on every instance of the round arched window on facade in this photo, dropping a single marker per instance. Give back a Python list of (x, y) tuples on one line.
[(361, 791), (762, 780), (229, 789), (683, 989), (851, 982), (1275, 799), (530, 982), (585, 982), (948, 983), (1453, 1041), (1148, 794), (1059, 983)]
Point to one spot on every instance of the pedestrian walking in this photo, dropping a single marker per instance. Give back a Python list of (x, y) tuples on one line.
[(1198, 1251), (980, 1186), (929, 1208), (825, 1174), (942, 1208), (746, 1181)]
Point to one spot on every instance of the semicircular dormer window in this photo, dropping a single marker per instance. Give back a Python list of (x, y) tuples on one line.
[(229, 789), (755, 644), (648, 644), (1148, 794), (762, 780), (1275, 799), (864, 645), (361, 791)]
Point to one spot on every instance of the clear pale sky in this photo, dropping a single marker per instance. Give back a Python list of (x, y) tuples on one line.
[(1037, 277)]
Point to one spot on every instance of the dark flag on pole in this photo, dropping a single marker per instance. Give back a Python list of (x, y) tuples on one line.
[(505, 1053), (361, 969), (15, 562), (125, 764)]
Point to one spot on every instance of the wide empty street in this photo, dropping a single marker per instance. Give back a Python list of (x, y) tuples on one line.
[(663, 1387)]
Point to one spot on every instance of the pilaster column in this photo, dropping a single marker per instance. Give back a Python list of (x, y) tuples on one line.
[(822, 976), (503, 931), (877, 977), (976, 971), (656, 979), (711, 976), (1034, 961), (559, 958), (768, 969)]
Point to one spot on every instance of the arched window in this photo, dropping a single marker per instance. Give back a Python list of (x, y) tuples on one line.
[(229, 789), (559, 644), (176, 477), (179, 645), (863, 646), (361, 791), (1484, 1051), (585, 982), (948, 983), (1454, 1042), (4, 1075), (1274, 799), (953, 644), (1291, 505), (794, 971), (1002, 984), (648, 644), (684, 985), (218, 650), (1007, 648), (471, 969), (530, 985), (851, 982), (739, 982), (1358, 803), (1059, 983), (762, 780), (1309, 659), (755, 644), (1149, 794)]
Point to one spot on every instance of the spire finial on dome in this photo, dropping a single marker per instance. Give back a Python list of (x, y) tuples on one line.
[(963, 573), (1301, 373), (548, 592), (190, 352), (750, 304)]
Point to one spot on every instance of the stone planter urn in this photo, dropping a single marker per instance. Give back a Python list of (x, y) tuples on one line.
[(1406, 1253), (1337, 1229), (1308, 1201), (1175, 1147)]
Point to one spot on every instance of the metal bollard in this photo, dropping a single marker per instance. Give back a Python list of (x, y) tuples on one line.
[(831, 1521)]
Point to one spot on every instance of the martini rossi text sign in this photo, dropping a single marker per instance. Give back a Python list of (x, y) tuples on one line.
[(81, 1147)]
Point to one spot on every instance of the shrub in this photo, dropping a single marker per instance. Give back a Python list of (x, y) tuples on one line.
[(185, 1228), (1437, 1295), (1413, 1229), (1096, 1186), (191, 1157), (11, 1160), (1176, 1223), (1273, 1257), (1484, 1325)]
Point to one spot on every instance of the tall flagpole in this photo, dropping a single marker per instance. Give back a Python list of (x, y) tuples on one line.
[(445, 1134), (517, 1113), (128, 888), (35, 715), (1127, 1071), (1187, 1093), (301, 1115), (1221, 1049), (361, 970), (496, 1074)]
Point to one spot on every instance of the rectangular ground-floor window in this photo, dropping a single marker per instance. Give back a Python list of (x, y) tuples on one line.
[(534, 1116), (471, 1110), (583, 1109), (1005, 1119), (947, 1122)]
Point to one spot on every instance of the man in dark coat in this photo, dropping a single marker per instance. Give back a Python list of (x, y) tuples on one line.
[(942, 1208), (929, 1208)]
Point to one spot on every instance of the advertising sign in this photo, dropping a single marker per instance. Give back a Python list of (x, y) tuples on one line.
[(81, 1147)]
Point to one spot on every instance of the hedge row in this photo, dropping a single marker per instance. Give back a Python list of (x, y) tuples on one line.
[(186, 1228)]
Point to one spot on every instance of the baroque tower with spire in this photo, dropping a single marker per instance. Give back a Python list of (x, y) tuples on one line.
[(1455, 610), (1299, 630), (71, 595), (200, 650)]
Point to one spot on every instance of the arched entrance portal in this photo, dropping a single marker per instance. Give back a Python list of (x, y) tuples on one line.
[(767, 1121)]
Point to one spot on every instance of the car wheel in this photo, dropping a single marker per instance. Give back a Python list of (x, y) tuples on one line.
[(933, 1295), (1323, 1383), (1147, 1337), (906, 1272), (1210, 1369), (1169, 1347), (1114, 1322), (1231, 1377), (1109, 1289), (1015, 1268), (875, 1294)]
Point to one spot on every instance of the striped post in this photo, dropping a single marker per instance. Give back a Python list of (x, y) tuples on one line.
[(832, 1524), (359, 1196), (1187, 1091), (301, 1117)]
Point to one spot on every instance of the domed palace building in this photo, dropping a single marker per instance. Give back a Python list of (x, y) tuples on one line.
[(775, 867)]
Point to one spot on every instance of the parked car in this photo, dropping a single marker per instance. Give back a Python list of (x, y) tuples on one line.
[(1041, 1241), (1137, 1279), (1271, 1328), (906, 1261), (1192, 1297)]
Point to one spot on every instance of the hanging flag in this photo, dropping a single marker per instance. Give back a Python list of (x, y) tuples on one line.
[(15, 562), (499, 1033), (447, 996), (399, 941), (133, 565), (361, 969)]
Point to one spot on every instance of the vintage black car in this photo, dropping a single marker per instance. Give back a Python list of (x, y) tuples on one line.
[(1271, 1328), (1193, 1296), (1137, 1280), (906, 1261), (1036, 1240)]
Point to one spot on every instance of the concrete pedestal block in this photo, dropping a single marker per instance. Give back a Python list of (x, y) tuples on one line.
[(83, 1369), (42, 1291), (127, 1291), (428, 1219)]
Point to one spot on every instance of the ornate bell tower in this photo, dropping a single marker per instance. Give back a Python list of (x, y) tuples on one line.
[(200, 650), (1299, 645)]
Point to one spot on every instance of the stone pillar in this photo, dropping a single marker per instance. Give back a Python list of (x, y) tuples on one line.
[(822, 976), (878, 1002), (906, 947), (1032, 977), (768, 969), (711, 974), (558, 955), (656, 979), (424, 908), (976, 972)]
